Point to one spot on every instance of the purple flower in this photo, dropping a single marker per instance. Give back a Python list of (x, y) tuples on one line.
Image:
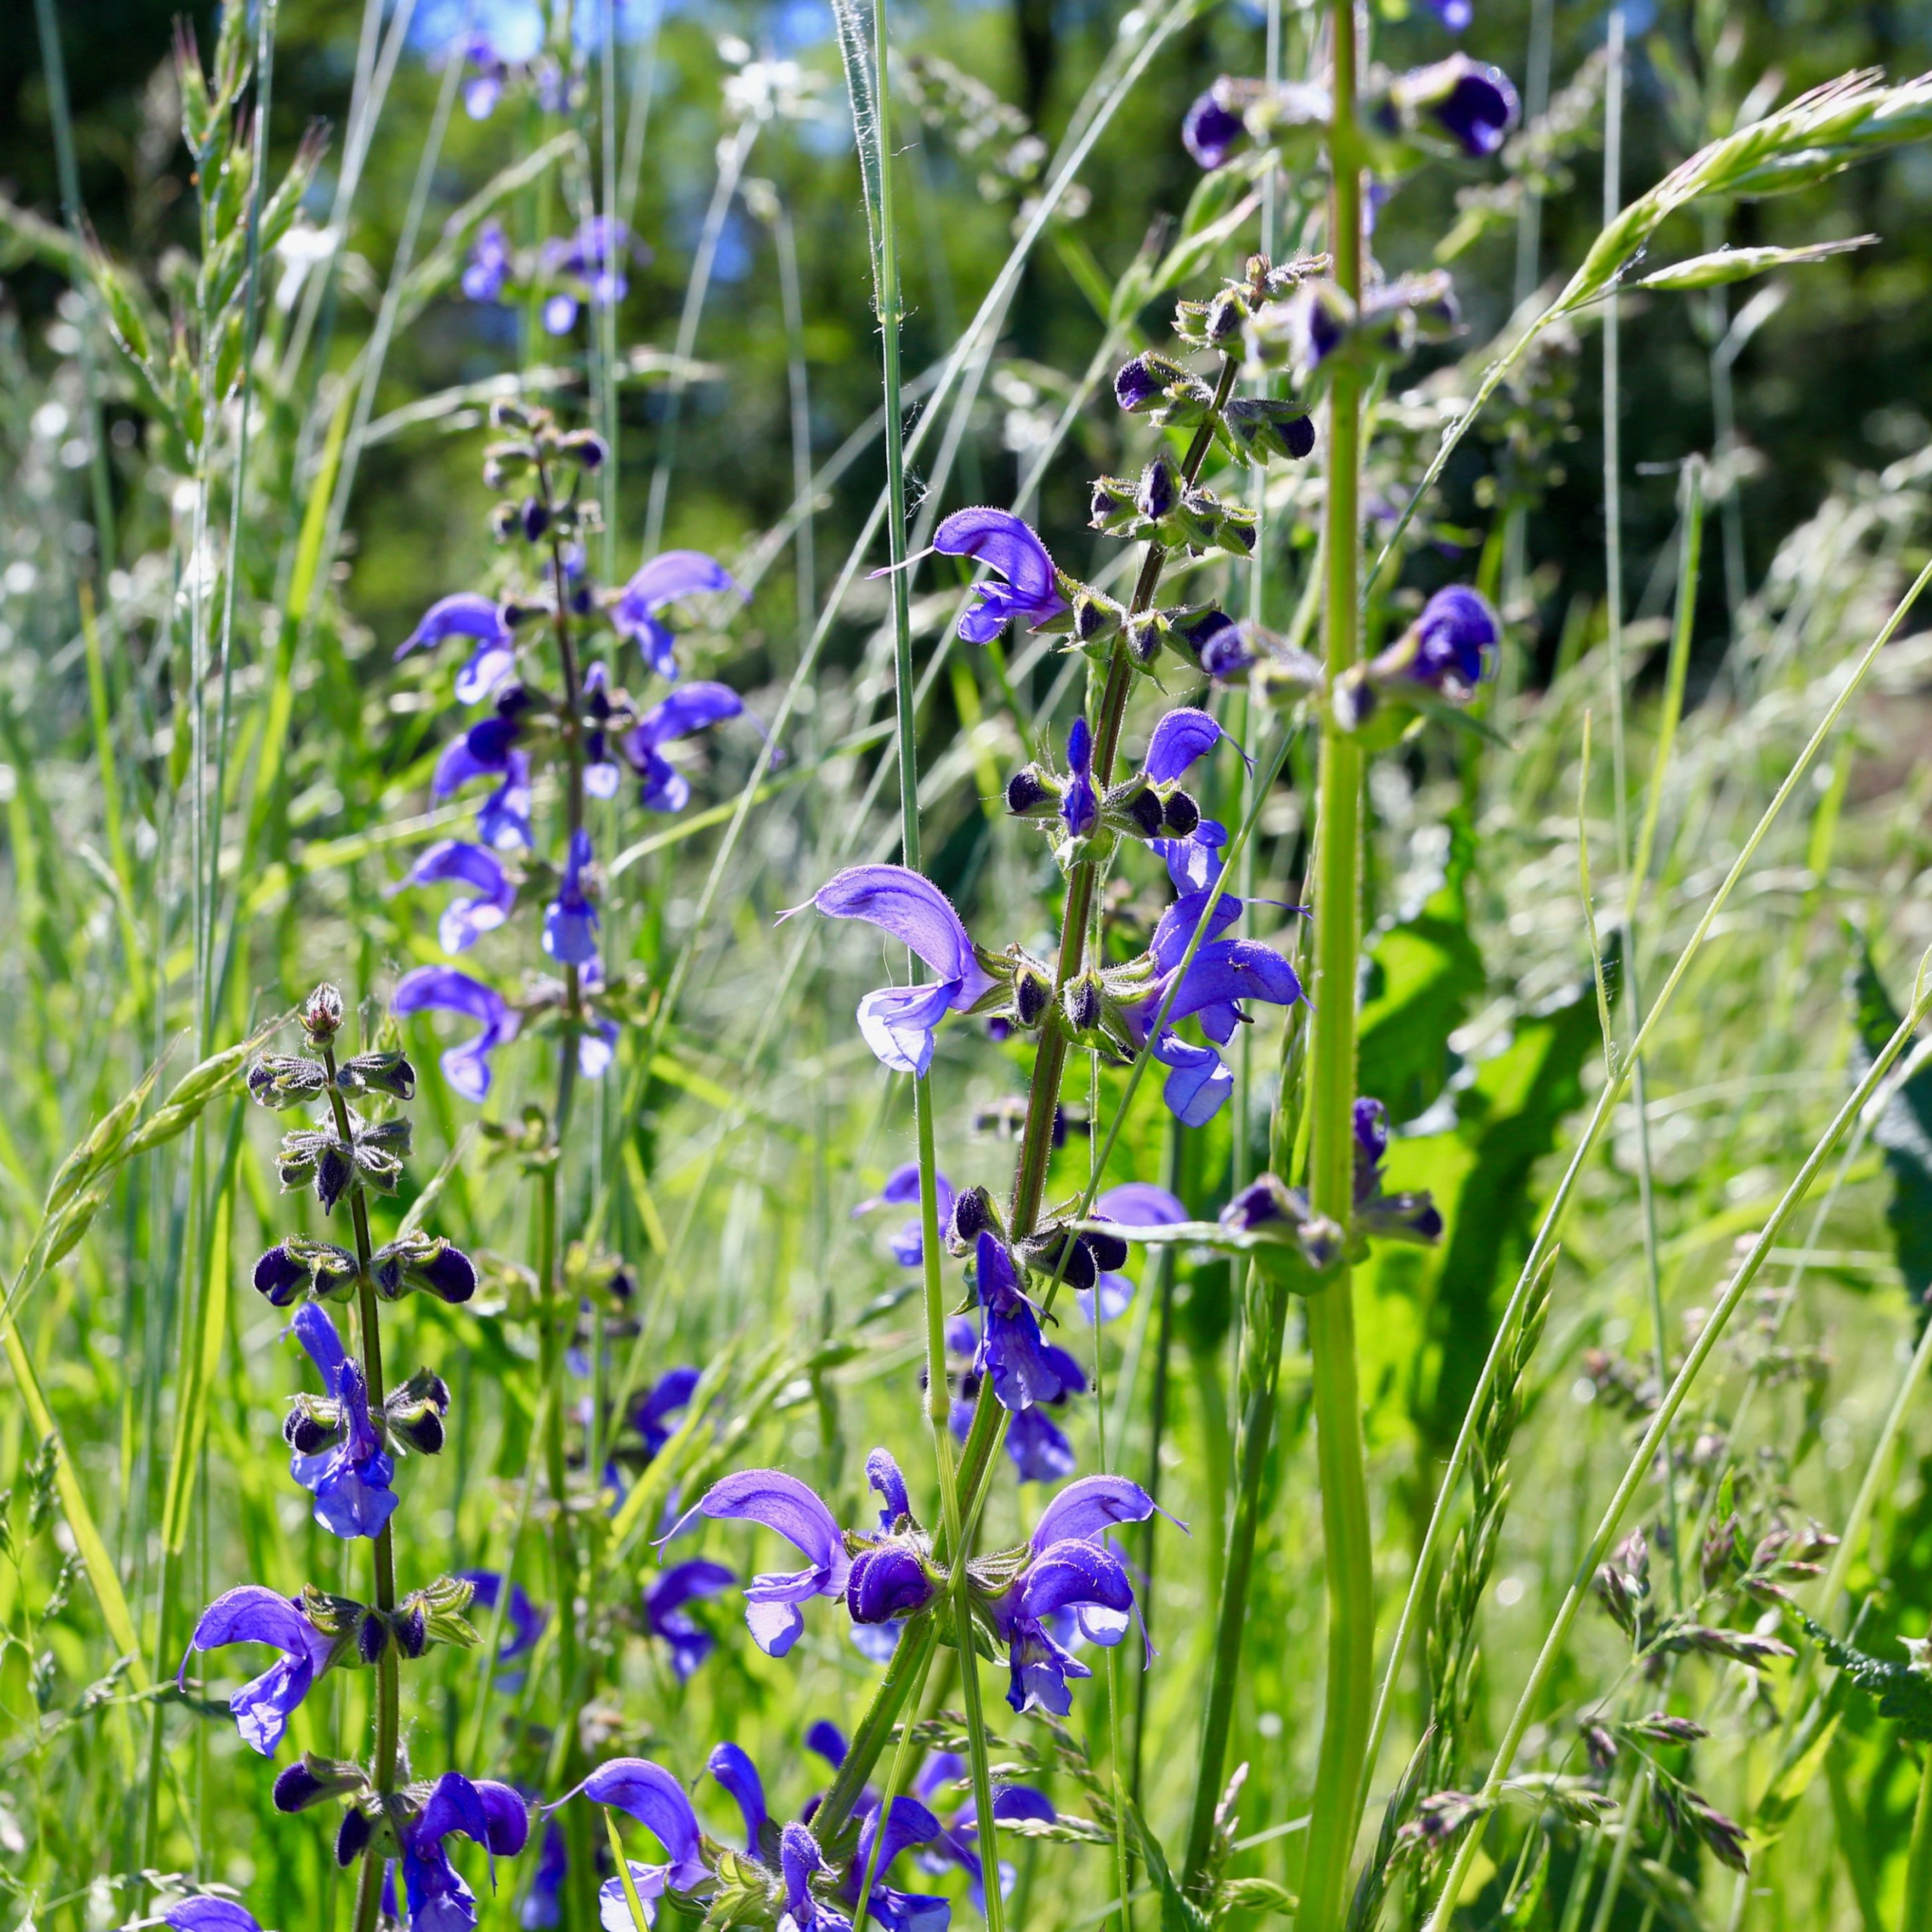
[(782, 1503), (596, 257), (1011, 1350), (1469, 104), (488, 749), (665, 1615), (206, 1914), (651, 1412), (1079, 809), (442, 988), (350, 1480), (490, 1813), (666, 788), (1000, 541), (1194, 864), (1072, 1570), (1211, 128), (902, 1188), (570, 920), (1456, 15), (898, 1023), (1039, 1448), (1135, 1204), (1453, 638), (664, 581), (800, 1860), (471, 615), (887, 1583), (959, 1843), (1223, 972), (489, 264), (650, 1794), (908, 1823), (253, 1615), (483, 88), (465, 921), (524, 1622)]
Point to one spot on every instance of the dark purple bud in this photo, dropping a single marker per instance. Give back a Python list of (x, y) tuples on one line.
[(1083, 1004), (1143, 640), (1477, 109), (589, 448), (422, 1430), (972, 1215), (412, 1630), (1031, 990), (280, 1277), (1108, 1251), (1226, 314), (1159, 490), (352, 1836), (296, 1788), (372, 1635), (1262, 1201), (1600, 1746), (1027, 793), (450, 1276), (886, 1582), (1147, 812), (535, 517), (307, 1433), (334, 1170), (1135, 386), (1182, 816), (1211, 129)]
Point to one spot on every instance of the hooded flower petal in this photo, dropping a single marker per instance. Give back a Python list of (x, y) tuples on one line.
[(207, 1915), (253, 1615), (650, 1794), (1003, 542), (466, 614), (452, 860), (1084, 1511), (570, 920), (1184, 735), (442, 988), (666, 580)]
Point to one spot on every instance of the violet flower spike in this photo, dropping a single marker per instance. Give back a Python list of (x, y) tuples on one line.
[(665, 1615), (782, 1503), (253, 1615), (650, 1794), (442, 988), (694, 708), (570, 920), (902, 1188), (898, 1023), (664, 581), (465, 921), (350, 1481), (491, 1813), (1000, 541)]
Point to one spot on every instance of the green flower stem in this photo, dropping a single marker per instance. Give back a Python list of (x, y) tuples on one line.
[(1345, 1526), (388, 1686), (1260, 1362)]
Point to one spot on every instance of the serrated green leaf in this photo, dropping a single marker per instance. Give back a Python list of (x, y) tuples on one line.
[(1901, 1693)]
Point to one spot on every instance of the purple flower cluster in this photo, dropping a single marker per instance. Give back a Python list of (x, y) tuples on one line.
[(585, 731)]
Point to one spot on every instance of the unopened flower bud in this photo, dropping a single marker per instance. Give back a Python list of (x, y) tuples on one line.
[(535, 517), (322, 1014), (1159, 490), (1029, 795)]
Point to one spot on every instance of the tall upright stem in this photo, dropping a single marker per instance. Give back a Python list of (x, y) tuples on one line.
[(388, 1687), (1331, 1335)]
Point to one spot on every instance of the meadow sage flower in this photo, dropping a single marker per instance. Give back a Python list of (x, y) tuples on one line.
[(692, 707), (782, 1503), (665, 1615), (650, 1794), (650, 1413), (902, 1189), (958, 1842), (1030, 594), (253, 1615), (898, 1023), (570, 920), (908, 1823), (350, 1478), (491, 1813), (1072, 1570), (489, 264), (465, 920), (666, 580), (443, 989), (204, 1914), (480, 619), (1011, 1351)]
